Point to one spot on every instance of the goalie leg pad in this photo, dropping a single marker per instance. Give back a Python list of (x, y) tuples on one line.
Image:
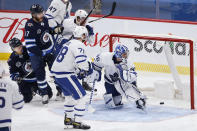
[(109, 103), (128, 90)]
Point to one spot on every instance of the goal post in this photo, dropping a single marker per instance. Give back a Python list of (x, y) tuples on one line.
[(130, 38)]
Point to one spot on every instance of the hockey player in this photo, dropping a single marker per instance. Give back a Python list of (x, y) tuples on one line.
[(120, 80), (21, 71), (40, 46), (9, 98), (58, 11), (70, 25), (71, 65)]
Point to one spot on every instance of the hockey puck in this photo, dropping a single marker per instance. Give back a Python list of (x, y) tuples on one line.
[(161, 103)]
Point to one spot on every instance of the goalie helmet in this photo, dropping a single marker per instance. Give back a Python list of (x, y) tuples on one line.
[(81, 14), (80, 32), (121, 51)]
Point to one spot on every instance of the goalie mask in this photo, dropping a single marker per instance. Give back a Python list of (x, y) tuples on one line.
[(80, 16), (81, 32), (121, 52)]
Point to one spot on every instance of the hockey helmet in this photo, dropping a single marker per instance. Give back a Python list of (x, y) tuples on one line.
[(36, 8), (80, 31), (14, 42)]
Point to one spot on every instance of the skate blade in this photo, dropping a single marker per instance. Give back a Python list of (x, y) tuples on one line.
[(68, 126)]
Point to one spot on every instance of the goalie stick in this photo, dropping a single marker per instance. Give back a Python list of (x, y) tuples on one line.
[(90, 108), (111, 13)]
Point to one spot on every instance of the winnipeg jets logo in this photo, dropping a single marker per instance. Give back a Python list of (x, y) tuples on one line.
[(27, 67), (18, 64), (45, 37)]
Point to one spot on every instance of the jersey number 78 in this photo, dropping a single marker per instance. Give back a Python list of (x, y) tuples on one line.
[(62, 53)]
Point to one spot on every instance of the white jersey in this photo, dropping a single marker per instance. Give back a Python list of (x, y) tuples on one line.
[(57, 12), (71, 57), (9, 98), (69, 27), (104, 60)]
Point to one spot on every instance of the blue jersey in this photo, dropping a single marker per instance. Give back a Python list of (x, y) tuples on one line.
[(20, 65), (37, 38)]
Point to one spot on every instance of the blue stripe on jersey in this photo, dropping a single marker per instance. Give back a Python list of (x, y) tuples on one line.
[(18, 102), (68, 105), (79, 109), (27, 40), (61, 73), (50, 16), (5, 121), (2, 90), (19, 108), (68, 110), (78, 115), (81, 56), (81, 61)]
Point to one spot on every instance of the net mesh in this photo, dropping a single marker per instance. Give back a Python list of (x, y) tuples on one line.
[(161, 59)]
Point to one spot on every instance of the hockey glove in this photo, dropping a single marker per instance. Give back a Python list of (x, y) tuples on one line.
[(57, 30), (18, 78), (90, 30)]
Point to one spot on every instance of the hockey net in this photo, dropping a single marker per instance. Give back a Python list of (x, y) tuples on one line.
[(166, 66)]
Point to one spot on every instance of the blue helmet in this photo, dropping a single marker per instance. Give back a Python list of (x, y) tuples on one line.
[(119, 50)]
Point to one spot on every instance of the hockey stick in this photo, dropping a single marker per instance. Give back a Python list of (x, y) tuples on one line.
[(90, 108), (87, 16), (27, 75), (111, 13)]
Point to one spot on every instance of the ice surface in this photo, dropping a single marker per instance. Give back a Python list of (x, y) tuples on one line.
[(36, 117)]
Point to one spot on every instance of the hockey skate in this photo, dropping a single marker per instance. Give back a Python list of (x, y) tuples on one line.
[(68, 122), (45, 99), (59, 97), (80, 125)]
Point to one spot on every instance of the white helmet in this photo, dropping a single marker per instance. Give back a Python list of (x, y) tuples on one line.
[(80, 31), (80, 14), (65, 1), (2, 71)]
